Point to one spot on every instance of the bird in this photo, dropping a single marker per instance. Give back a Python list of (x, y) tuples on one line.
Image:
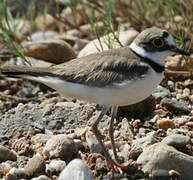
[(111, 78)]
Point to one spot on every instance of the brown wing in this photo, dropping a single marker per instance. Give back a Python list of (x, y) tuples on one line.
[(99, 69)]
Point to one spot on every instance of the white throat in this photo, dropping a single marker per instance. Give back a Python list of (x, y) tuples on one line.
[(157, 57)]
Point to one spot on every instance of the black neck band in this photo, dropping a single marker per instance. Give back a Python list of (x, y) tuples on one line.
[(156, 67)]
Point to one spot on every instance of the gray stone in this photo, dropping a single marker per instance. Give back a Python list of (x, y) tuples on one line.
[(175, 106), (160, 157), (161, 92), (35, 166), (93, 143), (59, 118), (6, 154), (60, 146), (76, 170), (18, 172), (55, 166), (139, 144), (176, 140), (41, 177), (11, 177), (125, 37)]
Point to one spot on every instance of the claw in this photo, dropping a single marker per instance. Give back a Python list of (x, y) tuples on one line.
[(115, 165)]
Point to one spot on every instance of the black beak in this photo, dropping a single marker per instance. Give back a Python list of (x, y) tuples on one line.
[(179, 51)]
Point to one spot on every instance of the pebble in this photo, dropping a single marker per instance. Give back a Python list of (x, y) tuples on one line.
[(41, 177), (125, 37), (171, 84), (173, 63), (125, 148), (60, 146), (7, 154), (190, 124), (79, 144), (165, 124), (139, 144), (178, 19), (35, 166), (160, 93), (76, 170), (11, 177), (188, 82), (17, 172), (40, 139), (55, 166), (176, 140), (42, 35), (5, 168), (175, 106), (126, 128), (163, 173), (93, 143), (160, 156), (181, 120)]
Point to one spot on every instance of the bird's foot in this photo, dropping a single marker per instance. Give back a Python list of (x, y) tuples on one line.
[(111, 164)]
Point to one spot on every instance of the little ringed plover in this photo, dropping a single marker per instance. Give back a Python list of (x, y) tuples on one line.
[(112, 78)]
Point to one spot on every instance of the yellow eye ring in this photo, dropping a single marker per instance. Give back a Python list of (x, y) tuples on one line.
[(158, 42)]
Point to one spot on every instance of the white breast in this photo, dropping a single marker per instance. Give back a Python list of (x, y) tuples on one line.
[(128, 92)]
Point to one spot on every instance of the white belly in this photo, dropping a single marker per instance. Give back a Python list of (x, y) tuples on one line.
[(128, 92)]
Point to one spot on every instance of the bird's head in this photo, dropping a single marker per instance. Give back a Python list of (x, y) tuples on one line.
[(156, 44)]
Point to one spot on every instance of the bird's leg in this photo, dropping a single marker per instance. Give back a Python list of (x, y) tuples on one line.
[(111, 136), (98, 136), (111, 130)]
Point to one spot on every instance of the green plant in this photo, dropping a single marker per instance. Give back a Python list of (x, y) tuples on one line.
[(7, 32)]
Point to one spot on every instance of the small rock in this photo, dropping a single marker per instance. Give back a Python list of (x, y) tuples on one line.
[(81, 132), (5, 168), (47, 22), (181, 120), (93, 143), (139, 144), (176, 140), (190, 124), (37, 36), (41, 177), (55, 166), (175, 107), (6, 154), (125, 148), (35, 166), (171, 84), (164, 173), (161, 92), (160, 156), (76, 170), (174, 63), (125, 37), (60, 146), (188, 83), (165, 123), (11, 177), (178, 19), (40, 139), (55, 51), (79, 144), (18, 172)]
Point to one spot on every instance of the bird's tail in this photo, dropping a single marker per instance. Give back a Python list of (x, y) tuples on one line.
[(24, 71)]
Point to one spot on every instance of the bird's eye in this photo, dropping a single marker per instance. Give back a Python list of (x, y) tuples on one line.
[(158, 42)]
